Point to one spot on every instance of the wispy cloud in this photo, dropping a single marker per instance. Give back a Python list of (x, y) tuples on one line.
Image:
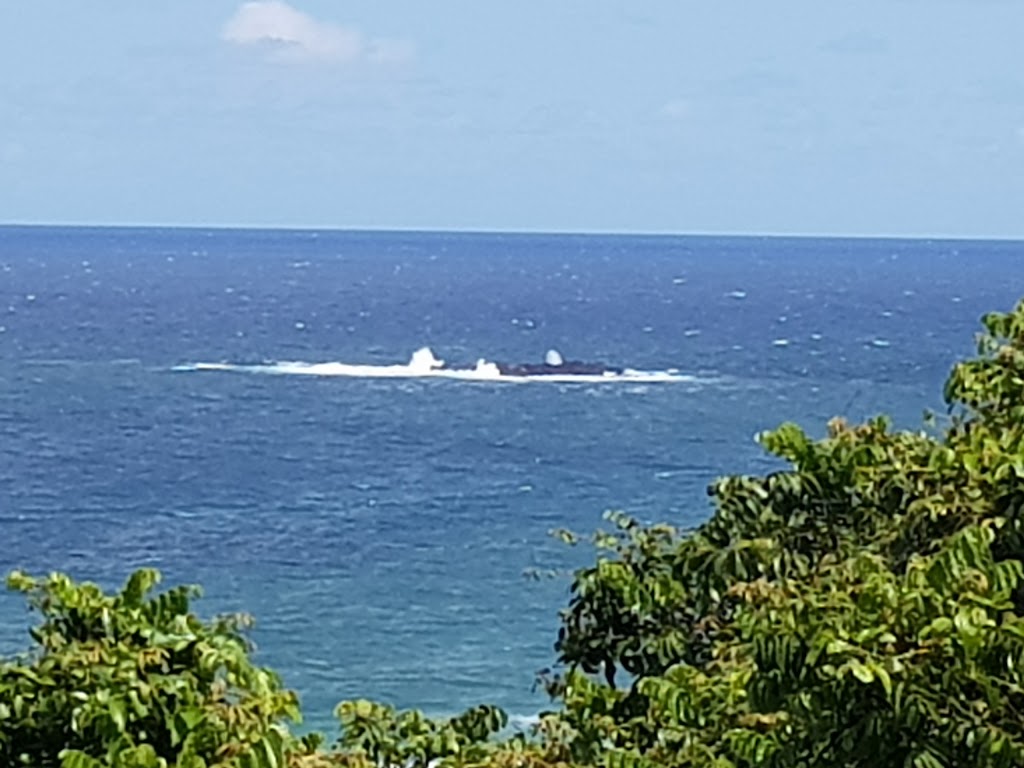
[(290, 33)]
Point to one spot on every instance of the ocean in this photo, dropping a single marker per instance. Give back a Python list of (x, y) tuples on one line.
[(157, 409)]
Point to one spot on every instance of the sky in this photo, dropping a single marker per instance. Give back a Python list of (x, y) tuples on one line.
[(893, 117)]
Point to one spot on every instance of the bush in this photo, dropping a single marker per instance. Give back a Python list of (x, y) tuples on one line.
[(135, 680), (862, 608)]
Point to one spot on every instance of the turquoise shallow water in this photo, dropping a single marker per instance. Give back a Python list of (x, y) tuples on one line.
[(379, 528)]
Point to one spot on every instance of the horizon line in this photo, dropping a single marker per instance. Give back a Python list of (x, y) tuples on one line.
[(515, 232)]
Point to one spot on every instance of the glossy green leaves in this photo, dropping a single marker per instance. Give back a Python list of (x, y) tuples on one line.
[(135, 680)]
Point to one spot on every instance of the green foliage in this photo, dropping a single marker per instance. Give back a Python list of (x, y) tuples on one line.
[(384, 737), (862, 608), (135, 680)]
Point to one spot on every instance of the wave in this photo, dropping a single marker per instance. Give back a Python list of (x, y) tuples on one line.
[(423, 364)]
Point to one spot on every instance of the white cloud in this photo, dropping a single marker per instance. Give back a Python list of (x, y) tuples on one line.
[(294, 34)]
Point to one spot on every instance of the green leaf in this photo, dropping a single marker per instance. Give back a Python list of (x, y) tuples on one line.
[(860, 671), (118, 713), (883, 677)]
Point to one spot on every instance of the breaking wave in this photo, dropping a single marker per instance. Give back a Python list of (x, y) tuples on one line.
[(423, 364)]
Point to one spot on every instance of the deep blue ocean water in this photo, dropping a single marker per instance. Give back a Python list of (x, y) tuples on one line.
[(379, 529)]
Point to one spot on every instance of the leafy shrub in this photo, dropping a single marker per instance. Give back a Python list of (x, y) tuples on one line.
[(135, 680), (862, 608)]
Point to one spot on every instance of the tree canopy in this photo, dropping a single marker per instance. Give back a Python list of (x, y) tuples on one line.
[(862, 607)]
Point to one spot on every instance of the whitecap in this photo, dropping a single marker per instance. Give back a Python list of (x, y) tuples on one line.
[(423, 359), (423, 364)]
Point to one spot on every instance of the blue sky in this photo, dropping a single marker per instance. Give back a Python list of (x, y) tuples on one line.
[(902, 117)]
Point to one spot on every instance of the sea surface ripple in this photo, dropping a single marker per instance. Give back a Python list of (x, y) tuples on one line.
[(379, 528)]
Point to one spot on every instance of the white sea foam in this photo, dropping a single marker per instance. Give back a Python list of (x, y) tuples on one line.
[(553, 357), (424, 365)]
